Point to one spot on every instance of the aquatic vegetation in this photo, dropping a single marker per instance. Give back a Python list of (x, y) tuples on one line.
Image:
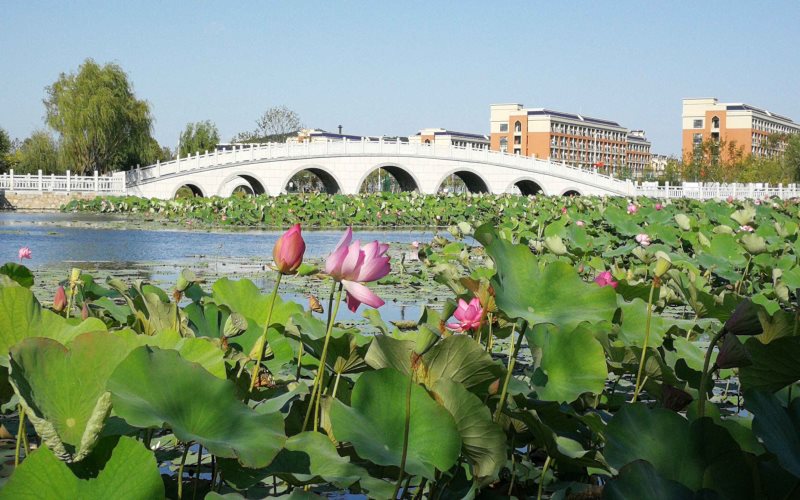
[(579, 361)]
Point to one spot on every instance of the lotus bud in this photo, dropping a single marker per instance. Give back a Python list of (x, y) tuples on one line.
[(732, 353), (744, 320), (663, 263), (494, 387), (754, 244), (235, 325), (674, 399), (85, 311), (60, 300), (782, 292), (288, 251), (683, 222), (425, 340)]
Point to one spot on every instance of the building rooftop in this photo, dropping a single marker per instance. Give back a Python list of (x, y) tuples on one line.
[(572, 116)]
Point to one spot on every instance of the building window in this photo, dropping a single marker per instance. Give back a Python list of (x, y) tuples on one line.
[(517, 127), (503, 145), (504, 127), (517, 151), (715, 122), (698, 123), (427, 141), (697, 139), (517, 140)]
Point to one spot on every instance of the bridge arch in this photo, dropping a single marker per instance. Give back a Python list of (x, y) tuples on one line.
[(407, 180), (474, 182), (571, 192), (251, 183), (194, 188), (329, 181), (527, 186)]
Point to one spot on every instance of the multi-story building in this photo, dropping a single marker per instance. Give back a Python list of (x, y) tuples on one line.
[(638, 153), (442, 137), (658, 164), (757, 131), (319, 135), (575, 139)]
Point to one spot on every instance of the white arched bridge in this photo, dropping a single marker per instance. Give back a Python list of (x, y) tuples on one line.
[(344, 166)]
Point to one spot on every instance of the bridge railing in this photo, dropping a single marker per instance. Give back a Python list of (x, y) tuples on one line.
[(706, 191), (33, 183)]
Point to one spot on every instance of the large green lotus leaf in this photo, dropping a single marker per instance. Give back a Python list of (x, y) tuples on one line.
[(63, 389), (572, 363), (212, 417), (244, 297), (17, 273), (309, 456), (554, 295), (197, 350), (128, 471), (458, 357), (375, 424), (622, 222), (21, 316), (483, 441), (777, 427), (698, 455), (639, 480), (634, 322), (775, 365)]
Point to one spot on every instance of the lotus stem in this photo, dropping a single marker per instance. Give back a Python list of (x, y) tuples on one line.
[(405, 435), (701, 402), (744, 273), (541, 479), (20, 431), (336, 384), (490, 317), (638, 387), (512, 359), (317, 389), (262, 341), (180, 470), (420, 488), (197, 472), (513, 464)]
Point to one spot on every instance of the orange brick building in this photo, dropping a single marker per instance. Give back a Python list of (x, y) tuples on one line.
[(574, 139), (758, 131)]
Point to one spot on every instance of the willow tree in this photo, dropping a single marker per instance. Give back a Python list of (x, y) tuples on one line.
[(198, 137), (101, 123)]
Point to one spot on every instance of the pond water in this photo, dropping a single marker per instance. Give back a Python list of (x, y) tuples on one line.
[(106, 244)]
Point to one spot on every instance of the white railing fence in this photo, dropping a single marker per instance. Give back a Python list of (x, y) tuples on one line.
[(40, 183)]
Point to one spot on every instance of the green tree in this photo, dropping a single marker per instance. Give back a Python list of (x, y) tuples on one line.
[(101, 123), (39, 152), (791, 157), (198, 136), (5, 149), (276, 124)]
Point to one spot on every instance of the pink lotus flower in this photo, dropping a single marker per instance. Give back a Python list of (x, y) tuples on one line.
[(415, 244), (468, 316), (580, 223), (632, 209), (729, 199), (352, 265), (659, 206), (605, 279), (24, 253), (643, 239), (563, 210), (746, 228), (757, 202), (288, 250)]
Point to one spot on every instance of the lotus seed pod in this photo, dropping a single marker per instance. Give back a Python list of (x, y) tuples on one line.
[(235, 325), (663, 263)]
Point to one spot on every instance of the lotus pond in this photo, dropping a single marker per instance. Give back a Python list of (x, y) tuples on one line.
[(588, 348)]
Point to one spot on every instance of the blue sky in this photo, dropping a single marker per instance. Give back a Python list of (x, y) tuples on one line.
[(396, 67)]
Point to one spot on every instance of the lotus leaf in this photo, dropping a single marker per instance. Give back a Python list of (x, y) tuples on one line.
[(213, 417), (375, 424)]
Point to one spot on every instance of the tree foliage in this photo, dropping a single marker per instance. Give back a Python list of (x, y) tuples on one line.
[(276, 124), (101, 123), (198, 136), (5, 148), (38, 152)]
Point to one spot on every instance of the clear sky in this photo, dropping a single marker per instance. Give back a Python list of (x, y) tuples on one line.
[(394, 67)]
